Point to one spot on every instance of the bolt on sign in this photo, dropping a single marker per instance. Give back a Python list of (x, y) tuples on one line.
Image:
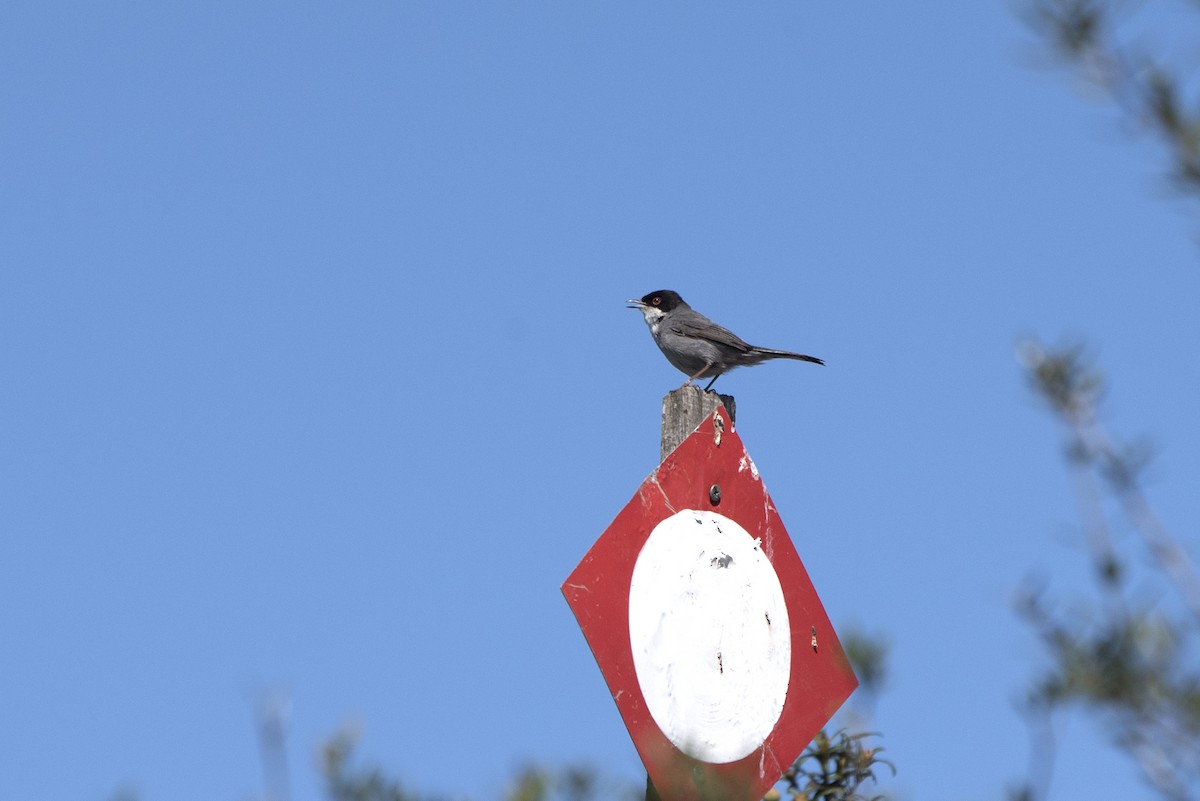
[(713, 642)]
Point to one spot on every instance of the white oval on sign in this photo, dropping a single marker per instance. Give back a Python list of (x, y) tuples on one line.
[(709, 630)]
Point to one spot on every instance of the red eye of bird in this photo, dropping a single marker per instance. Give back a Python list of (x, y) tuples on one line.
[(655, 300)]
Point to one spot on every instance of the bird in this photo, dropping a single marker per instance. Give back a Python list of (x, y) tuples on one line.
[(695, 345)]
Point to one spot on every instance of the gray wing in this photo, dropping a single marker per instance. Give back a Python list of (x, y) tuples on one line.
[(710, 331)]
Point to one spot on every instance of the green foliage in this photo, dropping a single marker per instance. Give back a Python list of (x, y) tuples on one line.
[(1130, 662), (833, 769), (572, 783), (124, 794), (344, 783), (868, 656), (1147, 87)]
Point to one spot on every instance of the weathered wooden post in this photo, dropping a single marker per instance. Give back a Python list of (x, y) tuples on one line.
[(684, 409)]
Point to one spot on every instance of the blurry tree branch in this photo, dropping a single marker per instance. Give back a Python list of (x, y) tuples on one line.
[(343, 782), (1150, 90), (868, 654), (1130, 661), (273, 710), (1073, 390)]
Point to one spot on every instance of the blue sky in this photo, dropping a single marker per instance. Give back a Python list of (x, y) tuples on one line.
[(318, 375)]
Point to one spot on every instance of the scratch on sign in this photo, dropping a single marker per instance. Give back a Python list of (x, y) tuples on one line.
[(661, 491), (747, 463)]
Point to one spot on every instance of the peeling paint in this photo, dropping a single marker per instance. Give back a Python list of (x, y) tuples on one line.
[(718, 427), (746, 463)]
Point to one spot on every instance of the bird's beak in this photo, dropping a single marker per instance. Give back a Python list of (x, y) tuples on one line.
[(635, 304)]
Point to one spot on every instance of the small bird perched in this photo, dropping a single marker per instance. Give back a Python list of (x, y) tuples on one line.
[(697, 346)]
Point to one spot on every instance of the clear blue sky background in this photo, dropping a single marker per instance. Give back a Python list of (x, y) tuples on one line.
[(317, 375)]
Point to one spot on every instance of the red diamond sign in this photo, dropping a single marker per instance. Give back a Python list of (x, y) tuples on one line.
[(714, 644)]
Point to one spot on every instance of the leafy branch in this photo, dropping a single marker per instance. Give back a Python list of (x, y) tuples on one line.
[(1130, 661)]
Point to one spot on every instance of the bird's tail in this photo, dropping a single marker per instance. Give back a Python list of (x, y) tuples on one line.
[(771, 353)]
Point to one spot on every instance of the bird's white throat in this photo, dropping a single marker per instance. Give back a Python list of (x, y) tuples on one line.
[(653, 316)]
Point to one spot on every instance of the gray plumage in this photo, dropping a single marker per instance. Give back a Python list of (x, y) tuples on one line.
[(695, 345)]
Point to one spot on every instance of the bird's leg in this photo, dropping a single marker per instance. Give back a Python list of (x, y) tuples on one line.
[(688, 383), (710, 383)]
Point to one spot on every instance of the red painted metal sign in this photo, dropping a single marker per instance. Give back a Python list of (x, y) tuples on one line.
[(713, 642)]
